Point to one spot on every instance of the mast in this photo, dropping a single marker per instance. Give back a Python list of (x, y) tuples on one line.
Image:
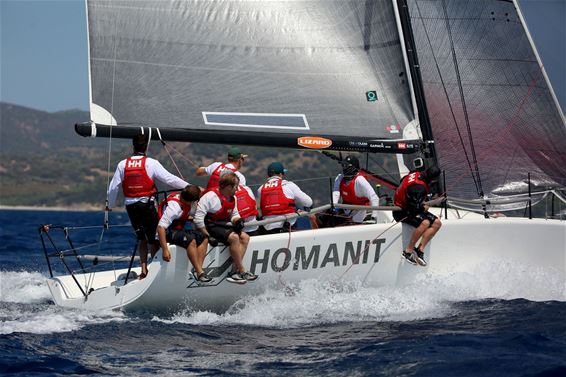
[(424, 120)]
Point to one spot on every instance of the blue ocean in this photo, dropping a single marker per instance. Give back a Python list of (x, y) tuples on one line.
[(456, 326)]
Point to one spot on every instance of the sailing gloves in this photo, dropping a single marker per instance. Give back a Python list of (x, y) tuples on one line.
[(238, 226)]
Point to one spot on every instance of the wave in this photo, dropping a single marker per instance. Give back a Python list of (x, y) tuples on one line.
[(23, 287), (26, 306), (25, 301), (429, 296)]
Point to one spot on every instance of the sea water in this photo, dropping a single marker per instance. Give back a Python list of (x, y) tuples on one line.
[(458, 325)]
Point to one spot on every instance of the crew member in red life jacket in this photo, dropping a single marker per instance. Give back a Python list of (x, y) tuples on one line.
[(217, 216), (137, 175), (278, 196), (247, 207), (235, 161), (410, 196), (351, 187), (174, 213)]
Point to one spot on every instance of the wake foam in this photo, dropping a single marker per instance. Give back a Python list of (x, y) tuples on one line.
[(25, 306), (428, 295), (23, 287)]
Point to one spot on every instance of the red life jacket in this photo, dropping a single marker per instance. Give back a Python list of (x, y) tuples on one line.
[(273, 201), (247, 206), (411, 179), (136, 182), (215, 177), (178, 223), (226, 209), (348, 192)]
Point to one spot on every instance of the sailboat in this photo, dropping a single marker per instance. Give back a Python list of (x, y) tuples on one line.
[(451, 82)]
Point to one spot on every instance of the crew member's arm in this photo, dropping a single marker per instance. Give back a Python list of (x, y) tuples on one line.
[(336, 188), (301, 198), (115, 184), (363, 189), (207, 170), (415, 197), (209, 203), (235, 214), (172, 212), (157, 171)]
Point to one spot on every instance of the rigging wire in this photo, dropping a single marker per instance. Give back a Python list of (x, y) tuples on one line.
[(462, 99), (106, 212), (448, 98), (498, 138)]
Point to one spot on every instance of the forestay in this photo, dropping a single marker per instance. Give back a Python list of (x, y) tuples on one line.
[(289, 69)]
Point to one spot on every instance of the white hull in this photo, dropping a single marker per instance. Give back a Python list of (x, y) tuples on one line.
[(327, 254)]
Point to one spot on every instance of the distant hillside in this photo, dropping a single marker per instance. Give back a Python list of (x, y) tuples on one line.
[(43, 162)]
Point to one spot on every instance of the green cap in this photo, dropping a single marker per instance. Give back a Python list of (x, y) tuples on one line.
[(236, 153)]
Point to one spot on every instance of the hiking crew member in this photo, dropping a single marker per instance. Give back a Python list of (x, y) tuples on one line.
[(279, 197), (351, 187), (410, 196), (247, 207), (174, 213), (215, 210), (235, 161), (137, 175)]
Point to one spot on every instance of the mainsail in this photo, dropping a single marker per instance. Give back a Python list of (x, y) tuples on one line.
[(493, 113), (249, 71)]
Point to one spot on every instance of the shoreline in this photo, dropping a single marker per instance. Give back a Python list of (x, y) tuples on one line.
[(85, 208)]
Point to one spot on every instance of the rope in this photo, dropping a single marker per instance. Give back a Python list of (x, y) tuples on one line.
[(284, 285), (356, 260), (182, 155), (170, 157)]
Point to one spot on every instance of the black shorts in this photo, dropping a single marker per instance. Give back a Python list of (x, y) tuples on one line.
[(183, 237), (143, 217), (414, 218), (219, 231)]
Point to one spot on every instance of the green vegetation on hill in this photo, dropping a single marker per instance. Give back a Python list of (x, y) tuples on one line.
[(43, 162)]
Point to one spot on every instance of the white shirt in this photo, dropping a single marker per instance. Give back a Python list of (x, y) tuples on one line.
[(362, 189), (212, 167), (172, 212), (210, 203), (154, 170), (291, 191)]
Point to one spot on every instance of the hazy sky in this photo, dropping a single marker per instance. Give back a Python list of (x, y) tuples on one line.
[(43, 55)]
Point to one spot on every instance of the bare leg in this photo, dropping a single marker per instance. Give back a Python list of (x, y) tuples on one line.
[(143, 256), (193, 256), (429, 233), (154, 248), (201, 251), (417, 233), (235, 251), (244, 241), (313, 221)]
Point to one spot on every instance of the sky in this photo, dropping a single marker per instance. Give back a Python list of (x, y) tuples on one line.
[(43, 50)]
